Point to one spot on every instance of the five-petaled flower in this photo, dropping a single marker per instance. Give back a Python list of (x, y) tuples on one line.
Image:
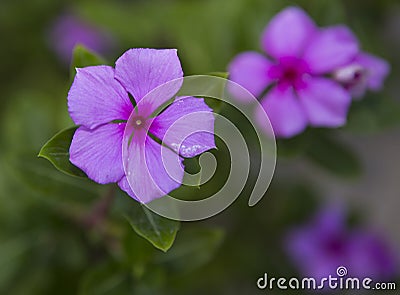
[(312, 73), (117, 140)]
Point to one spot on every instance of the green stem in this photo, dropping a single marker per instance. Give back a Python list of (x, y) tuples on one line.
[(100, 210)]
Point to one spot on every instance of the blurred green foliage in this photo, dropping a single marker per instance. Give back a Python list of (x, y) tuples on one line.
[(65, 235)]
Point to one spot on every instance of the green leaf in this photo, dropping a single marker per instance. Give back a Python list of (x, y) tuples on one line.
[(291, 147), (106, 278), (224, 75), (37, 178), (137, 252), (12, 257), (218, 91), (213, 103), (159, 231), (333, 156), (83, 57), (56, 150), (194, 172), (193, 248), (373, 114)]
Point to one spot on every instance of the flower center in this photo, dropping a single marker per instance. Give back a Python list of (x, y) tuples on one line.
[(289, 71), (138, 122), (290, 75), (335, 245)]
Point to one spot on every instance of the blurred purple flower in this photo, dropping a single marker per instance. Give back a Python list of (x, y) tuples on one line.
[(300, 58), (68, 31), (326, 242), (113, 144), (366, 71)]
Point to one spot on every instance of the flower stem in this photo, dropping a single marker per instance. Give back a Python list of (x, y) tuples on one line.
[(100, 210)]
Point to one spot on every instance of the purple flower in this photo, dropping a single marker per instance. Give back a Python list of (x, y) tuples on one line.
[(326, 242), (301, 59), (113, 142), (68, 31)]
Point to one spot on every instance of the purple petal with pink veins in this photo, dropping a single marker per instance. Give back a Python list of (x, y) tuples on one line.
[(98, 152), (151, 169), (187, 126), (124, 185), (142, 70), (96, 98)]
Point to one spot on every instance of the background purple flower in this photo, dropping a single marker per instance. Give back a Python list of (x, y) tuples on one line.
[(326, 242), (365, 72), (98, 101), (68, 30), (299, 67)]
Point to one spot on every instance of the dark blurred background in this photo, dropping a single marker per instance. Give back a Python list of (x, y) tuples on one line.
[(44, 246)]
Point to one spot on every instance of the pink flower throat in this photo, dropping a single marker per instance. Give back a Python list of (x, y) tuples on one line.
[(139, 122), (289, 71)]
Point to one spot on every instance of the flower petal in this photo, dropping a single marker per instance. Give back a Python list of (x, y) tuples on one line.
[(377, 69), (371, 255), (285, 112), (325, 102), (141, 70), (98, 152), (249, 69), (152, 170), (186, 126), (288, 33), (331, 48), (124, 185), (96, 98)]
